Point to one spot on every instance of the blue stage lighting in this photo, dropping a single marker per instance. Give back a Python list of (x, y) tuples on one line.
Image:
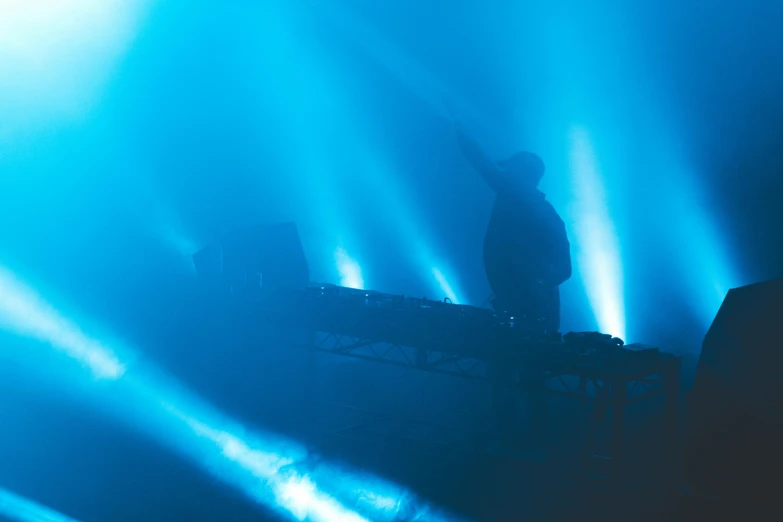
[(20, 509), (598, 251), (306, 502), (444, 285), (322, 123), (709, 271), (349, 269), (57, 53), (378, 499), (265, 475), (22, 311), (400, 65), (705, 265), (270, 470), (406, 225)]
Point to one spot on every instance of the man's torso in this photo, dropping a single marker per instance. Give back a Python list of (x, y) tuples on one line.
[(518, 239)]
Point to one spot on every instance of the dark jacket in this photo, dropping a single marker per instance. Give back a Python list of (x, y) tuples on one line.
[(526, 250), (526, 245)]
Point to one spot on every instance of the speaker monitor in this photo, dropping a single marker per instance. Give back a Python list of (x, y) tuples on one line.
[(268, 255), (734, 445)]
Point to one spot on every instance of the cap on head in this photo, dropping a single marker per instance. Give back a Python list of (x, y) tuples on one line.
[(524, 164)]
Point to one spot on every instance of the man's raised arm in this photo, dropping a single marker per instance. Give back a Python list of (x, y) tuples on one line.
[(479, 159)]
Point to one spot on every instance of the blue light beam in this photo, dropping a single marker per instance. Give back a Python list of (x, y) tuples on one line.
[(598, 251), (268, 476), (25, 313), (706, 268), (57, 55), (349, 269), (23, 510), (270, 470), (444, 284), (336, 141)]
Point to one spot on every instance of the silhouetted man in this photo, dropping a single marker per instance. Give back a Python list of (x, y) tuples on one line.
[(526, 257), (526, 251)]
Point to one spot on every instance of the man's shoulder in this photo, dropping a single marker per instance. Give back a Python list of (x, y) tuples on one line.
[(549, 210), (538, 199), (534, 201)]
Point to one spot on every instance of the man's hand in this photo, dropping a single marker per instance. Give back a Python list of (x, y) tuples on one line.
[(479, 159)]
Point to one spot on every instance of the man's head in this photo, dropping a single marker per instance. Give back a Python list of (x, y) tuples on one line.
[(525, 168)]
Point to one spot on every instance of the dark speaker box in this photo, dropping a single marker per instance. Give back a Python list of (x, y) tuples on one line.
[(269, 256), (734, 444)]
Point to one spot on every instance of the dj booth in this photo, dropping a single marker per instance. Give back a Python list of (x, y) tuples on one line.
[(468, 342), (266, 270)]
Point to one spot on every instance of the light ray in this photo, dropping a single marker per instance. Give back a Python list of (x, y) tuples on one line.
[(26, 313), (269, 469), (598, 251), (20, 509)]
